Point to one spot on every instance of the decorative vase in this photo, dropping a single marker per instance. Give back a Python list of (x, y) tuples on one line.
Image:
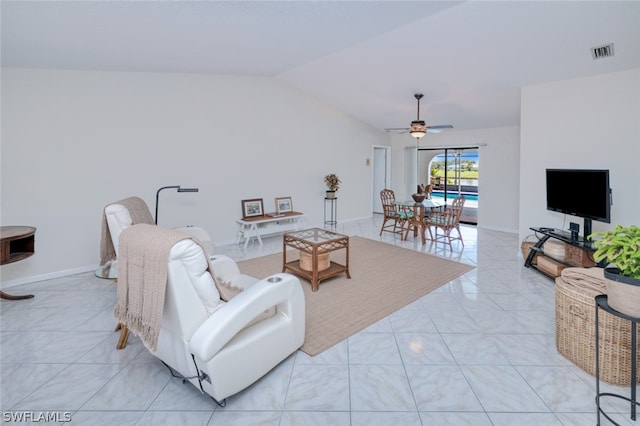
[(418, 198), (331, 194), (623, 292)]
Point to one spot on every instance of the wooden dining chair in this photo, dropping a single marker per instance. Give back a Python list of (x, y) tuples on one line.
[(446, 220), (394, 218)]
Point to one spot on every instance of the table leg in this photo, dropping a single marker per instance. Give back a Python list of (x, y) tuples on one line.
[(247, 237), (315, 286), (6, 296), (284, 254), (347, 261)]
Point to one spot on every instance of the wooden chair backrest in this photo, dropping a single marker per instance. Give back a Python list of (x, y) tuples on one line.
[(388, 198), (456, 207)]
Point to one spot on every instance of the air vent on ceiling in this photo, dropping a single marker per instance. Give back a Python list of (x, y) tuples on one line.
[(604, 51)]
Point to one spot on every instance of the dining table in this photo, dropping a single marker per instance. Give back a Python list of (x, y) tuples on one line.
[(416, 213)]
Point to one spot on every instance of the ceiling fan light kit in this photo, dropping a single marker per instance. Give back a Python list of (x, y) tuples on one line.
[(418, 129)]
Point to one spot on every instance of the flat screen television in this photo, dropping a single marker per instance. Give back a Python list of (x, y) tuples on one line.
[(580, 192)]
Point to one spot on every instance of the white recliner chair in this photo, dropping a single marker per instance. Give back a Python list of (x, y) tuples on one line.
[(117, 218), (223, 347)]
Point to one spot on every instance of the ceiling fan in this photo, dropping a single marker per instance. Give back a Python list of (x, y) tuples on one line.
[(418, 129)]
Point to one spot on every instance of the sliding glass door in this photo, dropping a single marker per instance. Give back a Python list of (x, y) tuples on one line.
[(451, 172)]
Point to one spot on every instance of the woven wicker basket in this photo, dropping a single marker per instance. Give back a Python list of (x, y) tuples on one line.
[(306, 261), (575, 334)]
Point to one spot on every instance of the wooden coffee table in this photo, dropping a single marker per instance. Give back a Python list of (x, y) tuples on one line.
[(315, 241)]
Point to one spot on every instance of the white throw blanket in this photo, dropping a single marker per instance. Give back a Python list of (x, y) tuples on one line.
[(142, 278), (139, 212)]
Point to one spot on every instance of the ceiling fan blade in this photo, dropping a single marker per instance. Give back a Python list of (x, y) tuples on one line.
[(397, 130), (439, 128)]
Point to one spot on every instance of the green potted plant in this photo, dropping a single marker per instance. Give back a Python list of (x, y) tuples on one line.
[(333, 184), (621, 247)]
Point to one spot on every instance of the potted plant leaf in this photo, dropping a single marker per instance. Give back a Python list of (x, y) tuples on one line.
[(621, 247), (333, 184)]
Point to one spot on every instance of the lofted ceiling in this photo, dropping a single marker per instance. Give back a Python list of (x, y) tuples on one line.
[(366, 58)]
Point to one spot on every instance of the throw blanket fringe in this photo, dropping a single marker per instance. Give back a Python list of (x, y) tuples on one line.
[(142, 278), (139, 212)]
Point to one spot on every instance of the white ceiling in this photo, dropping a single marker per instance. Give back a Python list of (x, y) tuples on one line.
[(366, 58)]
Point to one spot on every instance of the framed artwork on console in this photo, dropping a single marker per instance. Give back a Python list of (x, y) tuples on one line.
[(284, 205), (252, 208)]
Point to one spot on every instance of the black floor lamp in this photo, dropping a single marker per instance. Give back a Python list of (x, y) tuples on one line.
[(180, 189)]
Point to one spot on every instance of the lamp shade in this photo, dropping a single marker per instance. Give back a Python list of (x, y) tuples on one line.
[(418, 129)]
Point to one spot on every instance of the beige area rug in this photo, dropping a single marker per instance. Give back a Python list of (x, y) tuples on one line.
[(384, 278)]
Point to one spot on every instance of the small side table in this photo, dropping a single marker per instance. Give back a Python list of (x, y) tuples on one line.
[(603, 303), (16, 243), (331, 205)]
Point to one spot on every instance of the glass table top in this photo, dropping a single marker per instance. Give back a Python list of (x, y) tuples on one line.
[(315, 235)]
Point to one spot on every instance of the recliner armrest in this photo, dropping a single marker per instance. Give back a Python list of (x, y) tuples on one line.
[(236, 314)]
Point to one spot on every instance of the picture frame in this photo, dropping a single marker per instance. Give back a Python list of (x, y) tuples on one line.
[(284, 205), (252, 208)]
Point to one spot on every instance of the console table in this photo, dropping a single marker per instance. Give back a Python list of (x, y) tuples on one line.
[(17, 243), (579, 243), (256, 227)]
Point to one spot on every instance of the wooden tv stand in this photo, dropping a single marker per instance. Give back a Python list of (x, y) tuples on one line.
[(581, 248)]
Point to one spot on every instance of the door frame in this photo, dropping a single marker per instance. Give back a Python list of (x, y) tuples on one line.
[(383, 174)]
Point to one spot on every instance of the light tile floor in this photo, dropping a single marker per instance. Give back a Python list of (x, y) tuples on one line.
[(478, 351)]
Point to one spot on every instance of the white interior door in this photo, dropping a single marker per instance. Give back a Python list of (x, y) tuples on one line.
[(381, 173)]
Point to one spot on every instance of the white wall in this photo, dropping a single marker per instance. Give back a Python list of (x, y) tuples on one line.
[(73, 141), (581, 123), (499, 153)]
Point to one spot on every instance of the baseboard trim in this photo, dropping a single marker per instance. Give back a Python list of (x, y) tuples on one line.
[(48, 276), (495, 228)]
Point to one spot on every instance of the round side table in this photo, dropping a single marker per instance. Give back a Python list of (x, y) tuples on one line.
[(603, 303)]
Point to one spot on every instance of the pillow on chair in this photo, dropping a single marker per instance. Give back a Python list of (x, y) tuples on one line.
[(226, 290)]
